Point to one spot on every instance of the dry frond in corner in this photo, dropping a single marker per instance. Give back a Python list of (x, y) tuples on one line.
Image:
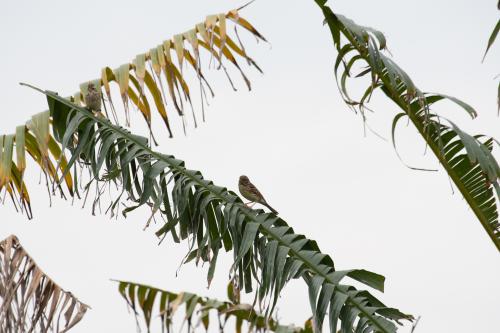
[(29, 300)]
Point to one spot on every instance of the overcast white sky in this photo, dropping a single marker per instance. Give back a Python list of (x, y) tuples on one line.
[(292, 135)]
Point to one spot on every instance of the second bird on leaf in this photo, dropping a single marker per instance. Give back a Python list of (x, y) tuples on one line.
[(250, 192), (93, 99)]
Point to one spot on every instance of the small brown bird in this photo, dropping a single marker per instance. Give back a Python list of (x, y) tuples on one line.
[(250, 192), (93, 99)]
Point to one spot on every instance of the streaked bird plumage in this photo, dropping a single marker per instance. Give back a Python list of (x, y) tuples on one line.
[(93, 99), (250, 192)]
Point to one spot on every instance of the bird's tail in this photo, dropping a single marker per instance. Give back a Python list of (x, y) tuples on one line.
[(274, 211)]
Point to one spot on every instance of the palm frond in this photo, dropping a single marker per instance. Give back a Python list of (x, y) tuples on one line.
[(29, 300), (467, 159), (153, 302), (267, 252), (157, 76)]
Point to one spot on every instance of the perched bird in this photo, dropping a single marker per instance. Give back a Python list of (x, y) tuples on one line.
[(250, 192), (93, 99)]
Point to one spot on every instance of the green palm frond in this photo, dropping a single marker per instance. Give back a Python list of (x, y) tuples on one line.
[(153, 302), (29, 300), (265, 248), (157, 76), (467, 159)]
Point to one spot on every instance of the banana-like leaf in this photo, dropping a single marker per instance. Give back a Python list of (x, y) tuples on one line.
[(153, 302), (142, 82), (467, 159), (267, 252), (29, 300)]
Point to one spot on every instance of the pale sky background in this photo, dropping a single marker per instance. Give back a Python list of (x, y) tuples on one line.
[(292, 135)]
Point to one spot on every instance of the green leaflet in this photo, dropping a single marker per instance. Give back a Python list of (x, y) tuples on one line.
[(492, 38)]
